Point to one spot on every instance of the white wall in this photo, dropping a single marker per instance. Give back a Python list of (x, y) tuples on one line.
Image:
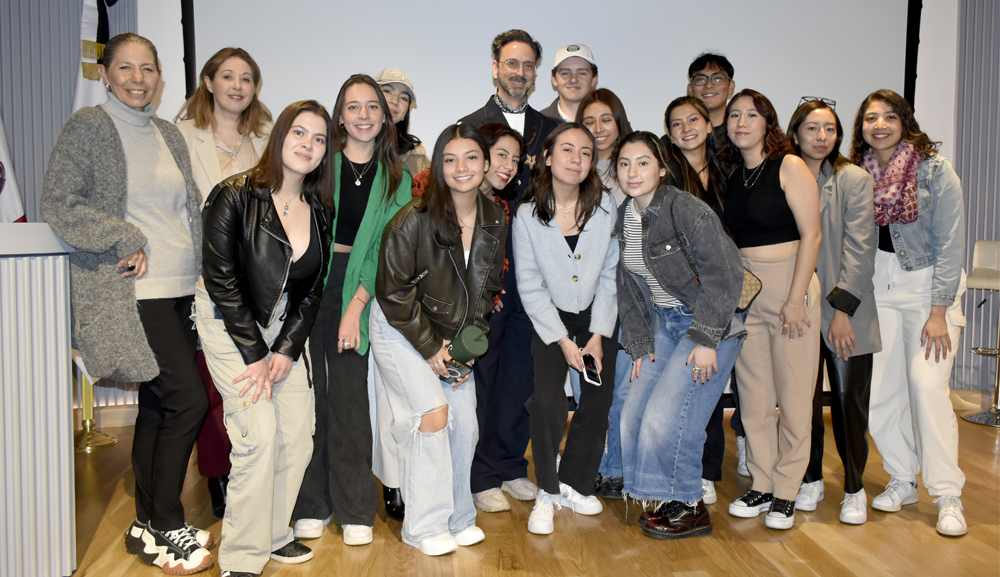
[(937, 64), (784, 48)]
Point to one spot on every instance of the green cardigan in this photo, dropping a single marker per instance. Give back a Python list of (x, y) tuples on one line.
[(363, 262)]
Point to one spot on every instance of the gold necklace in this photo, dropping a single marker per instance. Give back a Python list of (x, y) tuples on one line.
[(284, 212)]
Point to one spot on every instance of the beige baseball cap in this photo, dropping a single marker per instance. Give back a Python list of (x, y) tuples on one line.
[(394, 75), (579, 50)]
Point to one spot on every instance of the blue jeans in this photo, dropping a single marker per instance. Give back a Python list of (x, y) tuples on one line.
[(611, 463), (665, 414), (434, 467)]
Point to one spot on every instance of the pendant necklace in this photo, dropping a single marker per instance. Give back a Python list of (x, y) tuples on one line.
[(357, 177), (565, 209), (749, 182), (284, 212)]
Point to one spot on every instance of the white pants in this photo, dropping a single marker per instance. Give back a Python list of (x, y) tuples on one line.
[(385, 458), (911, 417)]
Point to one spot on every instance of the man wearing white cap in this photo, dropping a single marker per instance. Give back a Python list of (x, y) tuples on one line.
[(574, 76)]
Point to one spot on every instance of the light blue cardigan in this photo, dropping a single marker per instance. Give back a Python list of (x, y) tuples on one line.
[(550, 276)]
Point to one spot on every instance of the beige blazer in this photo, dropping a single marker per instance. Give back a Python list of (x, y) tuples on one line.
[(205, 157), (846, 261)]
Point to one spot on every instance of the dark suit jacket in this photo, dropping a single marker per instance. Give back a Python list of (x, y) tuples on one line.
[(552, 111)]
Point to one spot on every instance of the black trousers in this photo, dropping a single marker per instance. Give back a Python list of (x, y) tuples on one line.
[(715, 443), (850, 386), (172, 408), (547, 410), (504, 382), (339, 480)]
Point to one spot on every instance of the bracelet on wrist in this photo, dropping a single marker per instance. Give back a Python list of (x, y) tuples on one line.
[(562, 340), (363, 303), (793, 306)]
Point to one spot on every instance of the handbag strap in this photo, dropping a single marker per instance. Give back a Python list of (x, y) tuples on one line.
[(673, 223)]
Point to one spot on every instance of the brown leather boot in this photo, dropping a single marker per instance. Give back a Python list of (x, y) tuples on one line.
[(680, 521), (656, 513)]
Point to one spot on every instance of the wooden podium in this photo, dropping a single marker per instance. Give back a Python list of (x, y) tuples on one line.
[(37, 501)]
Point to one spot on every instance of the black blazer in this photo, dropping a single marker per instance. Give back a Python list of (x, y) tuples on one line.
[(245, 261)]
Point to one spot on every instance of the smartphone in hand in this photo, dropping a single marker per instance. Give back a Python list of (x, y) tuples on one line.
[(590, 372)]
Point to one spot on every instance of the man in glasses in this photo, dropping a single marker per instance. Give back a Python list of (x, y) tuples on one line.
[(504, 376), (710, 79), (574, 76)]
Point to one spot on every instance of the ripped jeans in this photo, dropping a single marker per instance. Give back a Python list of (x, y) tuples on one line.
[(434, 467)]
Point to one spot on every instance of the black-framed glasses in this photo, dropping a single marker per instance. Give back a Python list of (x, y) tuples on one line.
[(515, 65), (827, 101), (702, 79)]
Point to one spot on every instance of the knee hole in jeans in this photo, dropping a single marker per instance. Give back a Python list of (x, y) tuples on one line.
[(434, 420)]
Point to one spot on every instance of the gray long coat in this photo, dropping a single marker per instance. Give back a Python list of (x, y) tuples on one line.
[(847, 254), (83, 198)]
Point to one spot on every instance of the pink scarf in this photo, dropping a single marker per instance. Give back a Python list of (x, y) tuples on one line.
[(896, 185)]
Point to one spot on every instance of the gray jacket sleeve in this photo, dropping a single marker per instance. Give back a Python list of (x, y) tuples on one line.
[(947, 233), (857, 265)]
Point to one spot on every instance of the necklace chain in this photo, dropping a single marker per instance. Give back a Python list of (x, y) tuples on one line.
[(749, 182), (284, 212), (565, 209), (358, 177)]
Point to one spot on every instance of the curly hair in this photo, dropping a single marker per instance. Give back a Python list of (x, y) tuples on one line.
[(200, 106), (775, 143), (911, 128), (514, 35)]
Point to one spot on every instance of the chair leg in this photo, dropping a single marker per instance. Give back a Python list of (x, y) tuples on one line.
[(991, 416)]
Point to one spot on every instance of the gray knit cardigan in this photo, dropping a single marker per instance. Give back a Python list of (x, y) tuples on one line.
[(83, 199)]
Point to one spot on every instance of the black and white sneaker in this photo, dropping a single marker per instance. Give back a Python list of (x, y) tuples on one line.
[(134, 543), (750, 504), (292, 552), (781, 515), (176, 552), (202, 536), (238, 574)]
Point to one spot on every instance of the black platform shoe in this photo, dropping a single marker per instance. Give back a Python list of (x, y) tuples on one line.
[(394, 506), (217, 490)]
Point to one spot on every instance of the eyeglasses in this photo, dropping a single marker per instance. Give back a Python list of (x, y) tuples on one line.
[(702, 79), (515, 65), (827, 101)]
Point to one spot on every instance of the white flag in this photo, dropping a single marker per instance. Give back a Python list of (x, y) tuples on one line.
[(89, 89), (11, 209)]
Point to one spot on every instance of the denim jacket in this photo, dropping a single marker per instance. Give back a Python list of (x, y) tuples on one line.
[(937, 238), (713, 296)]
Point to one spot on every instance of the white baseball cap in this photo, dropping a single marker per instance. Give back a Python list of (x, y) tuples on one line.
[(579, 50)]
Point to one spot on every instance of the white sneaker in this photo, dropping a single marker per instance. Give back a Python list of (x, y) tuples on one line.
[(440, 545), (309, 528), (491, 501), (854, 509), (951, 521), (521, 489), (202, 536), (897, 493), (809, 495), (708, 494), (357, 535), (569, 497), (470, 536), (741, 456), (540, 521)]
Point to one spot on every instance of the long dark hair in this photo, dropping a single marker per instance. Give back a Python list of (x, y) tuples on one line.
[(493, 132), (436, 198), (540, 190), (911, 128), (775, 142), (201, 105), (405, 142), (652, 142), (714, 196), (834, 158), (386, 151), (269, 174)]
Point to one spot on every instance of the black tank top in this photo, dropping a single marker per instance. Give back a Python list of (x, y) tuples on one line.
[(756, 212), (307, 264)]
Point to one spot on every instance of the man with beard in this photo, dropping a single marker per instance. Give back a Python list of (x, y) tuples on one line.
[(504, 376)]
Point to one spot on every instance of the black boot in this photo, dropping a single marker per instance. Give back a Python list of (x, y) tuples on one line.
[(217, 490), (394, 507)]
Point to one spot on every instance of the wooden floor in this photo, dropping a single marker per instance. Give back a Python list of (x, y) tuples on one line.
[(902, 544)]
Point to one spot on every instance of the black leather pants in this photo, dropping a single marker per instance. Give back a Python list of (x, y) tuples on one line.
[(850, 386)]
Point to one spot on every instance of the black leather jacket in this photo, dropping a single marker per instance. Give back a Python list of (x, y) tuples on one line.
[(245, 259), (425, 290), (712, 299)]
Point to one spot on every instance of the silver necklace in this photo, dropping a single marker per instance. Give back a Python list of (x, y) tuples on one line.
[(754, 175), (357, 177), (565, 209)]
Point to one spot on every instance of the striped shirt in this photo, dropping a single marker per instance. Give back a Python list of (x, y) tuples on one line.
[(632, 257)]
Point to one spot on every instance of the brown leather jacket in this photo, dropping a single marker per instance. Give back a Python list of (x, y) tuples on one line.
[(425, 290)]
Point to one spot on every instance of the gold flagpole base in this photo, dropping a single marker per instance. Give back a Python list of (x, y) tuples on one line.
[(91, 438)]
